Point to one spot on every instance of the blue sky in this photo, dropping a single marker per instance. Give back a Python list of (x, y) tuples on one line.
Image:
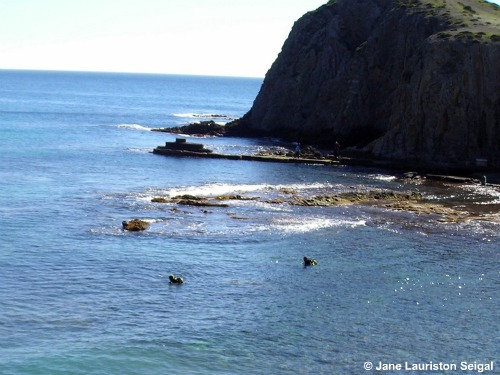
[(208, 37)]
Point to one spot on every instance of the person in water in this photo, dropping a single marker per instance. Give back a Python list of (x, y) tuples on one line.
[(309, 262), (175, 279)]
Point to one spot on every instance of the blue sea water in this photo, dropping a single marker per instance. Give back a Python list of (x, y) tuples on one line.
[(78, 295)]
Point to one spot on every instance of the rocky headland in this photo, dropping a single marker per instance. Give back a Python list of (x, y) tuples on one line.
[(414, 82)]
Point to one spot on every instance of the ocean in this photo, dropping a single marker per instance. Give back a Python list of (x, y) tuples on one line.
[(79, 295)]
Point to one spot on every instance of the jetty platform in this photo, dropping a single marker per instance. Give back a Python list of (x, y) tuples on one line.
[(181, 148)]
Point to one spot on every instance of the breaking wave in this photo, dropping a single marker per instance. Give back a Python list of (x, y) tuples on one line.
[(221, 119), (134, 127), (210, 190), (382, 177)]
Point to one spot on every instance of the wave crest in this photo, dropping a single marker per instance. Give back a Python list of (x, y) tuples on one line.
[(209, 190), (134, 127), (205, 116)]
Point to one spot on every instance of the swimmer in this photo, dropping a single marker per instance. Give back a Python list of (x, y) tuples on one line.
[(309, 262), (175, 279)]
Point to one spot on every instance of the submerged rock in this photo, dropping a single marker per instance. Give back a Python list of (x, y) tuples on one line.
[(200, 203), (236, 197), (354, 197), (193, 200), (160, 200)]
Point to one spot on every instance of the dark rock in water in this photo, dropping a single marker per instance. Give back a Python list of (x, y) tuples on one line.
[(413, 82), (189, 197), (135, 225), (234, 197), (193, 200), (355, 197), (160, 200), (202, 128), (200, 203)]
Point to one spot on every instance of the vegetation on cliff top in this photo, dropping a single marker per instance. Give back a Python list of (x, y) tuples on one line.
[(478, 18)]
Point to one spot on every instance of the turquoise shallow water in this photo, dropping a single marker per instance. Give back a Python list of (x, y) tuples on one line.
[(78, 295)]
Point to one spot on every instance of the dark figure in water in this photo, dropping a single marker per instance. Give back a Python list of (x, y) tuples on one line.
[(309, 262), (175, 279)]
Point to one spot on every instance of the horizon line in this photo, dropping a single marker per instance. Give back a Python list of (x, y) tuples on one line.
[(127, 72)]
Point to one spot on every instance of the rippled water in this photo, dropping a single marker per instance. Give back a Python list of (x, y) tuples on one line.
[(81, 296)]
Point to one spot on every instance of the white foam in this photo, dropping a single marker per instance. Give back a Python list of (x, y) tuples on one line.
[(134, 127), (308, 224), (140, 150), (316, 185), (490, 194), (184, 115), (382, 177), (495, 201), (203, 115), (221, 189), (215, 189)]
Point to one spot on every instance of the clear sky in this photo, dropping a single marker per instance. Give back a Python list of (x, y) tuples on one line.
[(206, 37)]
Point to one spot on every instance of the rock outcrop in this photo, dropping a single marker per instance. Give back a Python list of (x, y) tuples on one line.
[(413, 81), (202, 128), (135, 225)]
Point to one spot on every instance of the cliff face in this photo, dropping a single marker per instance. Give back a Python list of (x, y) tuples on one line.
[(408, 80)]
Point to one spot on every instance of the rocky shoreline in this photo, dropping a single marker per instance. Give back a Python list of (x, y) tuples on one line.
[(413, 202)]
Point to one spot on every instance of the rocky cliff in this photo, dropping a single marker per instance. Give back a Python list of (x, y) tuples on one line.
[(413, 81)]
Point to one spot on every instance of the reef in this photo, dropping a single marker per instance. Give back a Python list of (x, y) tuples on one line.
[(414, 202)]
